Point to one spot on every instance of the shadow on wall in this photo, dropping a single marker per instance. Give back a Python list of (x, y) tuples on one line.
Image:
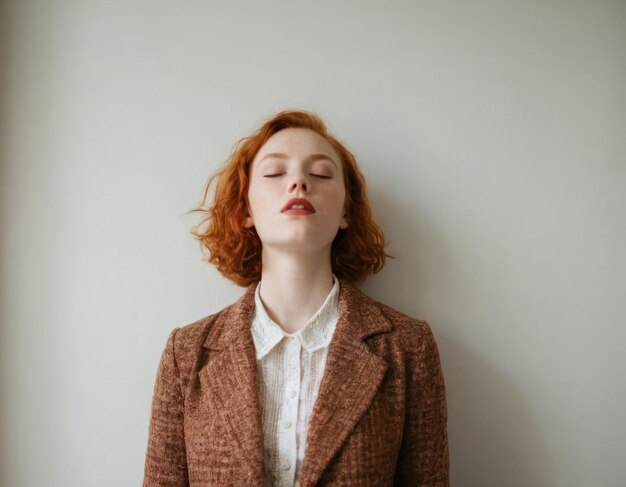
[(492, 439)]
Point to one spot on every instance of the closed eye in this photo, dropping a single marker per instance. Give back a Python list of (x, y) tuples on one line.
[(280, 174)]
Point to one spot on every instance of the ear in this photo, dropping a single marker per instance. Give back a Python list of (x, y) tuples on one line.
[(247, 221), (343, 223)]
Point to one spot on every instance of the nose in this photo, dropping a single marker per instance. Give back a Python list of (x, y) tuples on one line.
[(297, 182)]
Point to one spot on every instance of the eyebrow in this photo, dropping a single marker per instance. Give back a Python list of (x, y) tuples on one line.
[(309, 158)]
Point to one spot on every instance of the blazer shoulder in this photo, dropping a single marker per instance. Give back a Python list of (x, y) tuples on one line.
[(187, 335), (419, 347), (188, 341), (413, 333)]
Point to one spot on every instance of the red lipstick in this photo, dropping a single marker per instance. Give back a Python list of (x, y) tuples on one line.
[(298, 206)]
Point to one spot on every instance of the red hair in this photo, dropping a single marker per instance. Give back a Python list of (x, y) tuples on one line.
[(235, 251)]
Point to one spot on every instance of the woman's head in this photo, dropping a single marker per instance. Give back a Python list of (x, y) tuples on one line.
[(292, 155), (296, 166)]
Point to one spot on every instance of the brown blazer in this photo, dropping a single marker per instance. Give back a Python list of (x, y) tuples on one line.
[(380, 417)]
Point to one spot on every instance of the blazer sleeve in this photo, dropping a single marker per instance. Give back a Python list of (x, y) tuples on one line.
[(423, 460), (166, 460)]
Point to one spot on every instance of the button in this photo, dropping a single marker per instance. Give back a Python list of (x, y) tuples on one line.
[(286, 466), (287, 424), (293, 393)]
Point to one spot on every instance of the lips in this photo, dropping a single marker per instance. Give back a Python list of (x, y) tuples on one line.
[(298, 204)]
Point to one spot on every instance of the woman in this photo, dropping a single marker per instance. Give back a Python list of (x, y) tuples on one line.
[(304, 380)]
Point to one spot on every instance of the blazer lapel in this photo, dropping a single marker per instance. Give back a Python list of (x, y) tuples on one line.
[(351, 378), (230, 378)]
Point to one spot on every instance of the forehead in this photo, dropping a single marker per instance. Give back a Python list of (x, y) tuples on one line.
[(295, 141)]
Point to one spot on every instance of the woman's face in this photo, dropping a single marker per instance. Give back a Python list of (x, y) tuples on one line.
[(296, 163)]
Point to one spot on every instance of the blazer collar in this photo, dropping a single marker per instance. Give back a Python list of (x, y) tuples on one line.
[(357, 311), (352, 375)]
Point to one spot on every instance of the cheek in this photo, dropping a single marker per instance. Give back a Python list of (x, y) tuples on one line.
[(334, 203), (260, 202), (339, 196)]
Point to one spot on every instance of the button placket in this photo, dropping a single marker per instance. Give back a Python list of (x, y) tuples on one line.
[(288, 422), (283, 354)]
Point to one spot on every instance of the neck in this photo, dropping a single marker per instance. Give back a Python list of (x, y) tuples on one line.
[(293, 288)]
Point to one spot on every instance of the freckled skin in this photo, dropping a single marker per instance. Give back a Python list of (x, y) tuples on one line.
[(296, 176)]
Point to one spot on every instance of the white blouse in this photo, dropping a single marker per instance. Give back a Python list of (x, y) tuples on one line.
[(290, 368)]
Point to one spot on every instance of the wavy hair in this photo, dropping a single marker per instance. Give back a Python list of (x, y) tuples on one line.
[(235, 251)]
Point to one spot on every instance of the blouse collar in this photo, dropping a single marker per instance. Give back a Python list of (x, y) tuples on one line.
[(315, 334)]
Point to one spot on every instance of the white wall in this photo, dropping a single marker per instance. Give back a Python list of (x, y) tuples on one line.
[(492, 138)]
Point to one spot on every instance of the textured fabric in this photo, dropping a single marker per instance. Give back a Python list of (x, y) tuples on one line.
[(380, 417), (290, 368)]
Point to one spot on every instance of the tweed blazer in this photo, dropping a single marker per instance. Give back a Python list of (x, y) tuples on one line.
[(380, 417)]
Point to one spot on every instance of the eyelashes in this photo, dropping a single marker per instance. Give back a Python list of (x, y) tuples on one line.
[(280, 174)]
